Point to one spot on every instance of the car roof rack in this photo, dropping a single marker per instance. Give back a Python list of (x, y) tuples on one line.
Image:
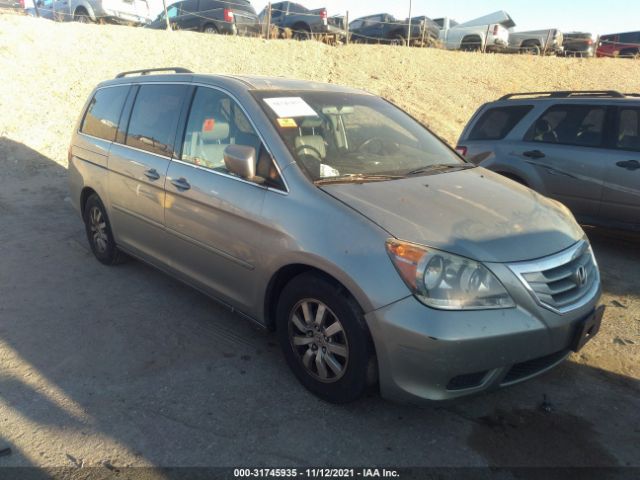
[(567, 94), (147, 71)]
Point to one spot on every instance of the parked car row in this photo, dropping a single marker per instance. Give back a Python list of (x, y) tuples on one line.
[(490, 33)]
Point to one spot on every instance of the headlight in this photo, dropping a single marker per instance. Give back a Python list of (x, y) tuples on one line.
[(445, 281)]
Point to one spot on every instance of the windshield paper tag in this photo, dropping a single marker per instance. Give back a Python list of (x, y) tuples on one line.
[(287, 123), (287, 107)]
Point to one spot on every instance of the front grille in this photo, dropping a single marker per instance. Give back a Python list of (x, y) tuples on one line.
[(469, 380), (560, 281), (531, 367)]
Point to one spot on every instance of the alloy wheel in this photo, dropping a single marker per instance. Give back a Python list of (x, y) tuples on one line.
[(98, 227), (319, 340)]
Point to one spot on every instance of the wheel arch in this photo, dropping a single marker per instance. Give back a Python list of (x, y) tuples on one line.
[(285, 274), (84, 196), (83, 5), (301, 26)]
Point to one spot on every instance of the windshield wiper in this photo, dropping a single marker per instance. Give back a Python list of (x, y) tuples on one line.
[(439, 168), (357, 177)]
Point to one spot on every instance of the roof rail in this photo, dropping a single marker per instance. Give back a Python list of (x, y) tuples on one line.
[(632, 94), (567, 94), (147, 71)]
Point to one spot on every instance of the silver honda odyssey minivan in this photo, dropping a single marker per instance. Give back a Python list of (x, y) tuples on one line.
[(376, 253)]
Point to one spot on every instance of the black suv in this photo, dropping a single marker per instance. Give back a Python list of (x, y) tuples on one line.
[(229, 17)]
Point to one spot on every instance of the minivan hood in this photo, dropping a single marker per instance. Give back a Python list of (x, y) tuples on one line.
[(474, 213)]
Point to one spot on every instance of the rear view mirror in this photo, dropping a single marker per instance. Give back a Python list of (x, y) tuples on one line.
[(240, 160)]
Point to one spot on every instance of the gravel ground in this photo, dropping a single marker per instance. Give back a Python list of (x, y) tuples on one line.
[(125, 366)]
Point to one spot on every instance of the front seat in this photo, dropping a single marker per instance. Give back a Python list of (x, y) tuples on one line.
[(544, 132), (311, 145), (213, 140)]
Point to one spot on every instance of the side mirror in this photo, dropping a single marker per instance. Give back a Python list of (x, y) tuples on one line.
[(240, 160)]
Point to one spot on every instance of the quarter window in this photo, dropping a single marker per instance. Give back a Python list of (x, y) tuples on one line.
[(154, 118), (628, 133), (579, 125), (103, 113), (215, 122), (497, 123)]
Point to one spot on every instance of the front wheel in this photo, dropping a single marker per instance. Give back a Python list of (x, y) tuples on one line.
[(324, 338)]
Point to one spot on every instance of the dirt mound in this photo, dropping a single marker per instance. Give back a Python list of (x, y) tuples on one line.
[(47, 70)]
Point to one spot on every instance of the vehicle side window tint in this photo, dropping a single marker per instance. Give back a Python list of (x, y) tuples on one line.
[(173, 11), (496, 123), (103, 114), (154, 118), (578, 125), (628, 133), (190, 6), (215, 122)]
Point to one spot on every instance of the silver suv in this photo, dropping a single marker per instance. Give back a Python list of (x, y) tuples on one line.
[(581, 148), (326, 213)]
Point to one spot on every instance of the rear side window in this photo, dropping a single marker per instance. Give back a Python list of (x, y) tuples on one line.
[(631, 37), (496, 123), (103, 114), (578, 125), (628, 132), (189, 6), (154, 118)]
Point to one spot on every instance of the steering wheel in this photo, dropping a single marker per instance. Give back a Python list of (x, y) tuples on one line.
[(370, 142)]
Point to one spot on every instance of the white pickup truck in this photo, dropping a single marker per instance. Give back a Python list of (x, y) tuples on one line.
[(487, 34)]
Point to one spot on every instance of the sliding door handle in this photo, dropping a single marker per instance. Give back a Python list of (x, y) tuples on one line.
[(181, 184), (534, 154)]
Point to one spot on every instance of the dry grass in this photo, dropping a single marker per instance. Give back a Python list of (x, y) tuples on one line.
[(48, 69)]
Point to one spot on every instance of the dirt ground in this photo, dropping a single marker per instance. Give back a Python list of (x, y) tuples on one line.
[(125, 366)]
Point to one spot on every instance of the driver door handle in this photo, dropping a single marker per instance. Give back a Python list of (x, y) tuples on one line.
[(181, 184), (534, 154), (629, 165)]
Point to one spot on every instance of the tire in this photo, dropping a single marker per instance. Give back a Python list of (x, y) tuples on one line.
[(334, 361), (471, 46), (398, 40), (301, 33), (210, 29), (532, 50), (99, 234), (81, 16)]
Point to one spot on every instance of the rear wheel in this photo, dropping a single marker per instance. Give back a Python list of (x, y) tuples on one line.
[(324, 338), (81, 16), (99, 234), (471, 45), (211, 29), (398, 40), (301, 32)]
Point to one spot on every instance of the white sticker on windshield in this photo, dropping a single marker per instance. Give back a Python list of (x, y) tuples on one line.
[(287, 107)]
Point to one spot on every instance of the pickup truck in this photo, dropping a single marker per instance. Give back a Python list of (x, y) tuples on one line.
[(539, 42), (384, 28), (487, 34), (303, 23), (125, 12)]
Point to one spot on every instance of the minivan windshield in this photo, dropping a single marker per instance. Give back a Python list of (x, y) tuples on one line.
[(338, 136)]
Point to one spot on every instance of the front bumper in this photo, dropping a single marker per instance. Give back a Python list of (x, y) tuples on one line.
[(428, 354)]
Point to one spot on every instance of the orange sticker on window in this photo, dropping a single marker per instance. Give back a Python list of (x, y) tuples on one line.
[(208, 124), (287, 123)]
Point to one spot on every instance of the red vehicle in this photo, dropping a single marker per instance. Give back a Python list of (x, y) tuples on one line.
[(624, 45)]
